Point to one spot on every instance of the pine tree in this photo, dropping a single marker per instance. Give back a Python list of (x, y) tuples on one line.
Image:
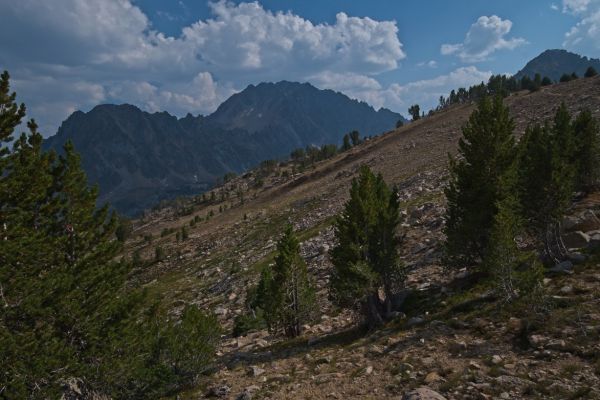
[(346, 146), (587, 151), (590, 72), (415, 112), (65, 309), (284, 292), (366, 257), (486, 152), (547, 171), (355, 138)]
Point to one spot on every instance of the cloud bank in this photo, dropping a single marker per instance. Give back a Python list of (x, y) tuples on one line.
[(75, 54), (486, 36), (585, 35)]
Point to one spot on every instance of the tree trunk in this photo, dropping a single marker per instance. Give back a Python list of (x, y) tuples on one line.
[(373, 311)]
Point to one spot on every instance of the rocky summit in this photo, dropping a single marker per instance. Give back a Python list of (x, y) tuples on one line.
[(138, 159)]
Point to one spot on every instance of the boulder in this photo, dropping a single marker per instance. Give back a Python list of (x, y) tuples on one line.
[(588, 221), (219, 391), (575, 240), (423, 393), (565, 267), (594, 242), (578, 258)]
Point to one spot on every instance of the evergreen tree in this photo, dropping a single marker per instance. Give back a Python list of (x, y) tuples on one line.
[(415, 112), (284, 292), (546, 81), (590, 72), (547, 172), (587, 151), (346, 146), (65, 310), (355, 138), (486, 152), (366, 257)]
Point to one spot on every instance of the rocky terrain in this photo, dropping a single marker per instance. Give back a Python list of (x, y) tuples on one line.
[(460, 344)]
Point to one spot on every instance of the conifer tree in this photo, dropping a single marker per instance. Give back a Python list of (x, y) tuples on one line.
[(587, 151), (355, 138), (366, 256), (486, 151), (65, 311), (590, 72), (284, 292), (346, 146), (415, 112)]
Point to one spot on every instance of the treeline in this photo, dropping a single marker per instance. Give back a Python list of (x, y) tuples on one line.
[(65, 310), (502, 85)]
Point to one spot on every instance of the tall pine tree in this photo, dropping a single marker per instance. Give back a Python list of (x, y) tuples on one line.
[(486, 151), (366, 256), (284, 292)]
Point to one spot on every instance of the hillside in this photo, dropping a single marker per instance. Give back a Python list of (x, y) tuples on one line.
[(139, 159), (554, 63), (458, 344)]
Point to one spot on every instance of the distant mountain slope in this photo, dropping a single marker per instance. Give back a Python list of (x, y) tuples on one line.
[(138, 158), (554, 63)]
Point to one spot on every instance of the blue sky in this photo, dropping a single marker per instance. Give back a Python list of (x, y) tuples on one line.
[(189, 55)]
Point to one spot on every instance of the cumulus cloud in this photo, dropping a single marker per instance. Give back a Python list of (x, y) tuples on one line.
[(585, 35), (398, 97), (485, 36), (117, 56)]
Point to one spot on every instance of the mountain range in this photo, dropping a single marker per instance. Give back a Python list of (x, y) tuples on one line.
[(139, 158), (556, 62)]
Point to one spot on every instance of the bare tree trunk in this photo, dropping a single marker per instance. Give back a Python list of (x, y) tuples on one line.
[(372, 311)]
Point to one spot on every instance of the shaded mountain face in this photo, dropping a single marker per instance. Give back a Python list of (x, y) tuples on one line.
[(554, 63), (138, 158)]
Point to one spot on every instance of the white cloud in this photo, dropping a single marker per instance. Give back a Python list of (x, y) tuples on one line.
[(554, 7), (585, 35), (113, 50), (430, 64), (426, 92), (484, 37)]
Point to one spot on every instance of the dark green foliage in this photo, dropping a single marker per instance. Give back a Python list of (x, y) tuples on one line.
[(346, 143), (229, 177), (587, 151), (565, 78), (65, 309), (590, 72), (124, 229), (284, 292), (355, 138), (486, 152), (366, 256), (554, 160), (399, 124), (546, 81), (415, 112)]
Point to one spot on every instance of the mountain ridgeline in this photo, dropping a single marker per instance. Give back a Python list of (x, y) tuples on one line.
[(554, 63), (138, 158)]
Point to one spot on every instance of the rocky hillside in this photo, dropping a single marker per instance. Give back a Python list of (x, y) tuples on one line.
[(450, 343), (138, 158), (554, 63)]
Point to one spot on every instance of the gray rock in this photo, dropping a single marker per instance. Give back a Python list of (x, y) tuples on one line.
[(565, 267), (219, 391), (255, 371), (594, 242), (423, 393), (575, 240), (415, 321), (578, 258)]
